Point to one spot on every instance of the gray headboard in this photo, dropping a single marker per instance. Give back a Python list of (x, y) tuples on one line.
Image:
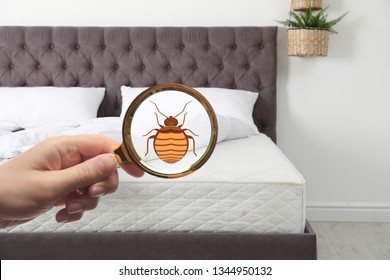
[(227, 57)]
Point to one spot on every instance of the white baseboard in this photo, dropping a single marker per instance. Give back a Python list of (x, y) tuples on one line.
[(348, 212)]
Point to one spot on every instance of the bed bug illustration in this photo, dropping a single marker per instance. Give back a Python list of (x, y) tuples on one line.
[(171, 142)]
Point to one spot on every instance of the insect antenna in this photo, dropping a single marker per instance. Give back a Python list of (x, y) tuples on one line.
[(183, 109), (158, 109)]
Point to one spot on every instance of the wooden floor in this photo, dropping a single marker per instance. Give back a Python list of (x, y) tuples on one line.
[(352, 241)]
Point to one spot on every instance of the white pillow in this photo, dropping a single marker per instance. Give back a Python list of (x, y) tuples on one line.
[(232, 102), (237, 104), (49, 106), (128, 95)]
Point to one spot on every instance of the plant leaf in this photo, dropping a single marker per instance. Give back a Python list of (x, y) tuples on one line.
[(335, 21), (312, 19), (299, 21)]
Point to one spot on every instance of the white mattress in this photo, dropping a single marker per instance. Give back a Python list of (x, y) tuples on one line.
[(248, 185)]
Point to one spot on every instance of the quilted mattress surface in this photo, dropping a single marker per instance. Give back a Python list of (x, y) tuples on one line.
[(248, 185)]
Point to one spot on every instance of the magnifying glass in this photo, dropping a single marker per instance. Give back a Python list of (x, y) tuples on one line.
[(169, 131)]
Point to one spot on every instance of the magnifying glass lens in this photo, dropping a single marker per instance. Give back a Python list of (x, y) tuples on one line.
[(169, 130)]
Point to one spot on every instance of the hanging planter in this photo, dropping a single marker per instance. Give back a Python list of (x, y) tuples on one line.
[(308, 33), (308, 42), (301, 5)]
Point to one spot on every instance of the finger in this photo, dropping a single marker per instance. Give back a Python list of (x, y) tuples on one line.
[(72, 195), (75, 149), (84, 174), (132, 169), (106, 186), (62, 152), (81, 204), (63, 216)]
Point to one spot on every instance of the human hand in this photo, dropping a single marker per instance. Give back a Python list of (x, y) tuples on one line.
[(72, 171)]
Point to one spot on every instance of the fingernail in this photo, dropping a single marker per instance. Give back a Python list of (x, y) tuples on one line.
[(107, 163), (74, 207), (62, 219), (98, 191)]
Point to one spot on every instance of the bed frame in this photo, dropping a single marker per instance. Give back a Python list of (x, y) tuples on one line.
[(226, 57)]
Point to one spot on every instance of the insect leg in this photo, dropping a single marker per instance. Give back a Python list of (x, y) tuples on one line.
[(193, 143), (147, 143), (150, 131), (184, 119), (190, 131)]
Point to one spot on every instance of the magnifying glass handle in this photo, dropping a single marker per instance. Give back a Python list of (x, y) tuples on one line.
[(121, 154), (126, 164)]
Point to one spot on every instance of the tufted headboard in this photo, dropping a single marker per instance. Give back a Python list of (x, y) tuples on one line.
[(226, 57)]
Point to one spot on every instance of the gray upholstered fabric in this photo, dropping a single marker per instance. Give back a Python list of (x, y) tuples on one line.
[(227, 57), (158, 245)]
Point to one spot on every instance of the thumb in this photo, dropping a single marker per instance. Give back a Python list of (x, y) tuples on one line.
[(85, 173)]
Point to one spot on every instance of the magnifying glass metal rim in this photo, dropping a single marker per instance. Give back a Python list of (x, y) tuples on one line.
[(127, 153)]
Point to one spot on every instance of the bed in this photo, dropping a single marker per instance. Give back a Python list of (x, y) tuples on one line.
[(255, 212)]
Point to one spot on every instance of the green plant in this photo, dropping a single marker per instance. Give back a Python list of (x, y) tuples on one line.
[(312, 20)]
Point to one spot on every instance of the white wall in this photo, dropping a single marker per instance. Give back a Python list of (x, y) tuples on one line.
[(333, 118)]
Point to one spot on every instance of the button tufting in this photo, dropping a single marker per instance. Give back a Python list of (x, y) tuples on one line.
[(38, 66), (208, 46), (130, 47), (91, 66), (194, 67), (168, 67), (51, 46), (103, 47), (248, 67), (77, 47), (182, 47), (234, 86), (155, 47), (11, 66), (234, 46), (142, 67), (261, 46), (64, 66), (24, 46), (116, 66), (221, 67)]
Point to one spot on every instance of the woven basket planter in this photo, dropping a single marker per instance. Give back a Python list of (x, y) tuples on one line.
[(300, 5), (308, 42)]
